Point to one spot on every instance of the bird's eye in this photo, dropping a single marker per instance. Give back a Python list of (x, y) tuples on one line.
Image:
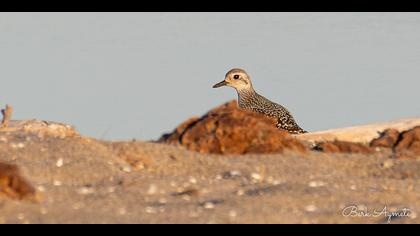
[(236, 76)]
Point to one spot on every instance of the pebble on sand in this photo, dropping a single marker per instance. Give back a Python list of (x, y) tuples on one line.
[(311, 208), (59, 162)]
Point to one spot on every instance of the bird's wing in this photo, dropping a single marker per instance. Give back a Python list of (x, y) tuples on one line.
[(289, 124)]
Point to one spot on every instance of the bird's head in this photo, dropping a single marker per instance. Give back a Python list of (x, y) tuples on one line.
[(236, 78)]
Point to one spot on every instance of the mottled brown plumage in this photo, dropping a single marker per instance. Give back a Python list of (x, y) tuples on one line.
[(251, 100)]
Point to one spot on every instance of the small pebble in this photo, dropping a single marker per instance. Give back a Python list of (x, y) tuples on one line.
[(43, 211), (186, 198), (233, 213), (126, 169), (190, 192), (311, 208), (21, 216), (122, 211), (60, 162), (256, 176), (41, 188), (277, 182), (232, 174), (17, 145), (240, 192), (85, 190), (193, 180), (57, 183), (218, 177), (162, 201), (152, 189), (316, 184), (209, 205), (150, 210), (387, 164)]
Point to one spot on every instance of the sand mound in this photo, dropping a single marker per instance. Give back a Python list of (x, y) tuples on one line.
[(229, 130), (83, 180)]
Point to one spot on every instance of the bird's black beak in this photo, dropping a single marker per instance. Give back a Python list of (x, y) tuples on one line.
[(223, 83)]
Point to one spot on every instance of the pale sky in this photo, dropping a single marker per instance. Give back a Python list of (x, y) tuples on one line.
[(139, 75)]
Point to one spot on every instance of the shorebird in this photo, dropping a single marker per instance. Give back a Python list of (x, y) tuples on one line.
[(250, 100)]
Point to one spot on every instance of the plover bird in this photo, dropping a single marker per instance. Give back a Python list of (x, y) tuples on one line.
[(250, 100)]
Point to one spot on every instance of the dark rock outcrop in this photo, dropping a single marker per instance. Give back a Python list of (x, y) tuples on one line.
[(387, 139), (230, 130), (13, 185), (403, 144), (409, 141), (343, 146)]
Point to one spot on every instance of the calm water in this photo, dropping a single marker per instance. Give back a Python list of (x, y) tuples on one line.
[(138, 75)]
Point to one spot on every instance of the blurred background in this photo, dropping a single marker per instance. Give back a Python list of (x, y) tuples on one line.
[(119, 76)]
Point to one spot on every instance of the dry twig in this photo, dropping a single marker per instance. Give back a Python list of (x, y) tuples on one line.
[(7, 115)]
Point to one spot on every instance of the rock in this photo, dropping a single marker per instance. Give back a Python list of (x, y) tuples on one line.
[(41, 128), (405, 144), (409, 141), (387, 139), (343, 146), (359, 134), (230, 130), (12, 184), (178, 132)]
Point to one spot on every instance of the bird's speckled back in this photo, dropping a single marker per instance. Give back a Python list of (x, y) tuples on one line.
[(251, 100)]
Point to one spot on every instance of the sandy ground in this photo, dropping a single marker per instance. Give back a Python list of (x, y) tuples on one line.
[(82, 180)]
